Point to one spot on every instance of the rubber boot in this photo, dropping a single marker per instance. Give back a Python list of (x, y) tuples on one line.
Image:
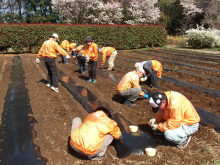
[(130, 103), (90, 80), (81, 69), (84, 72)]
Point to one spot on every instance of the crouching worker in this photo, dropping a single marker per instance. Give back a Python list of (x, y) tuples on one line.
[(129, 87), (153, 69), (92, 137), (178, 118)]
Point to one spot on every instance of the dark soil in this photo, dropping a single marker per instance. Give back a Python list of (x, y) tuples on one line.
[(54, 111)]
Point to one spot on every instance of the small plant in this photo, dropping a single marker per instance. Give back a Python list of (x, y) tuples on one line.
[(215, 161), (207, 150), (203, 162)]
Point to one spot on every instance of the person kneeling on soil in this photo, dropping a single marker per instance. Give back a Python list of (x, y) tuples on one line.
[(108, 52), (129, 87), (178, 118), (153, 69), (92, 137)]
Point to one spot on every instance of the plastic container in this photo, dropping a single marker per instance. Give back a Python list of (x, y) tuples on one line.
[(133, 128), (150, 151)]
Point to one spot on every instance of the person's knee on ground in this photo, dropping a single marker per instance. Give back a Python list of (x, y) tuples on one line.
[(76, 122)]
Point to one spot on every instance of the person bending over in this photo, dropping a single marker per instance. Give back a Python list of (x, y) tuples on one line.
[(92, 136), (153, 69), (178, 118)]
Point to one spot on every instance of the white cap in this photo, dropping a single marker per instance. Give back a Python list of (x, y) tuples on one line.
[(141, 70), (55, 35)]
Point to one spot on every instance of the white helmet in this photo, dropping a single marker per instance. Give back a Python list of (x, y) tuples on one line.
[(55, 35)]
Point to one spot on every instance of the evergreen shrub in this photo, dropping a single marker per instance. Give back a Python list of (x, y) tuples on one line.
[(31, 36)]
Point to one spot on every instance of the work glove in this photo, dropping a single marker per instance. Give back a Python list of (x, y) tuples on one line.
[(87, 59), (67, 56), (152, 121), (37, 60), (154, 126), (145, 96), (143, 79)]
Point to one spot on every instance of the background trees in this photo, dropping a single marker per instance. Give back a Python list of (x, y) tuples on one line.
[(176, 15)]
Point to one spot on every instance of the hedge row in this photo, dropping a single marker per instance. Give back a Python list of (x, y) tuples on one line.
[(124, 37)]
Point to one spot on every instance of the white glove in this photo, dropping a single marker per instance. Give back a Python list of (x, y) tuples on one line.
[(74, 49), (154, 126), (87, 59), (143, 79), (37, 60), (152, 121), (67, 56)]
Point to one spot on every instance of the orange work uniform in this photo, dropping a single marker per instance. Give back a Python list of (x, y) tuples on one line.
[(157, 67), (49, 49), (92, 51), (130, 80), (179, 111), (65, 45), (89, 136)]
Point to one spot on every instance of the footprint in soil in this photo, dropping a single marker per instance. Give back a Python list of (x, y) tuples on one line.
[(60, 113)]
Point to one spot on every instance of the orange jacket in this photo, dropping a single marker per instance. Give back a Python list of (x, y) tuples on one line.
[(49, 49), (89, 136), (65, 45), (92, 51), (72, 46), (130, 80), (158, 67), (179, 111), (106, 52)]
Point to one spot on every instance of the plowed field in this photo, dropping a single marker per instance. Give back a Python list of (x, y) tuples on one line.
[(53, 112)]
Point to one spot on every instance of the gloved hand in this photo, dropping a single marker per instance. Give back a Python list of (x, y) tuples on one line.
[(145, 96), (143, 79), (67, 56), (74, 49), (154, 126), (152, 121), (37, 60), (87, 59)]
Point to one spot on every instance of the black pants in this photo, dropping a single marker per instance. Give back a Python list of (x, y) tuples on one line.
[(92, 69), (152, 78), (82, 63), (64, 59), (52, 77)]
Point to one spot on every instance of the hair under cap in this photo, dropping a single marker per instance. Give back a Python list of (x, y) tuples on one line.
[(155, 101), (104, 106)]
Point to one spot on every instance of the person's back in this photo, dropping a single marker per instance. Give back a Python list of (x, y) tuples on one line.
[(48, 49), (65, 45), (89, 136), (179, 110)]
